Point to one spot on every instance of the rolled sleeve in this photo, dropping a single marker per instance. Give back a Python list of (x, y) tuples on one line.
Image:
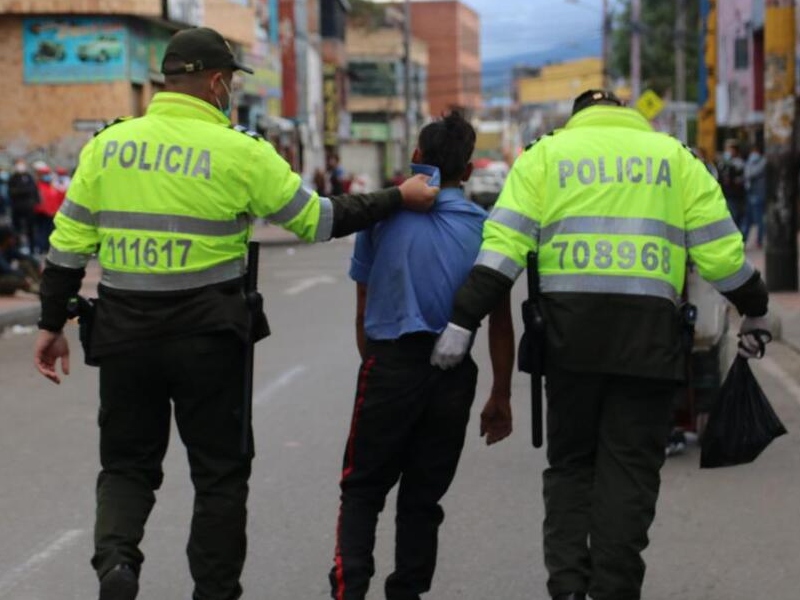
[(363, 258)]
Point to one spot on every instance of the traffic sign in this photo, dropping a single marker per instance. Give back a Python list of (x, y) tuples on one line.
[(649, 104)]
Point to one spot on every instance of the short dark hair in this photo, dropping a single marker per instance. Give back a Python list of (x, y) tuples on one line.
[(448, 144)]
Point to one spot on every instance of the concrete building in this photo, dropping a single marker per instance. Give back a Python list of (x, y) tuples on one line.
[(376, 100), (452, 31), (560, 83), (70, 65), (740, 68)]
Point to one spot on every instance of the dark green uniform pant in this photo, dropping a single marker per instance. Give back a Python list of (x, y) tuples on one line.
[(203, 376), (605, 445)]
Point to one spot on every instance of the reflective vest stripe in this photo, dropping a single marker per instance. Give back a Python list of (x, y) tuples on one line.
[(516, 221), (737, 280), (614, 226), (78, 213), (710, 233), (292, 208), (111, 219), (325, 223), (498, 262), (171, 282), (609, 284), (69, 260)]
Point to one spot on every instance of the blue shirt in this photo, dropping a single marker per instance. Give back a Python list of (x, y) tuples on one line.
[(413, 264)]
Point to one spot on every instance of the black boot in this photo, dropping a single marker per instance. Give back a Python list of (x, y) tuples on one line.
[(572, 596), (120, 583)]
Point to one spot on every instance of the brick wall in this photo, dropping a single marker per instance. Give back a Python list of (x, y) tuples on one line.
[(43, 115)]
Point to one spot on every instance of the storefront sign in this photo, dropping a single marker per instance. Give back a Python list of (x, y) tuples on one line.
[(74, 50)]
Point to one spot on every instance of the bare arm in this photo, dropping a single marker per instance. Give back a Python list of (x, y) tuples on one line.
[(496, 421), (361, 304)]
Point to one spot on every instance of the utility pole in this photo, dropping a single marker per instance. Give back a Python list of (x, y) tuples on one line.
[(606, 46), (636, 50), (406, 150), (680, 71), (781, 141)]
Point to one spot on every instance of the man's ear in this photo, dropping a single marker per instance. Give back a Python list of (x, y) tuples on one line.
[(467, 172), (417, 156)]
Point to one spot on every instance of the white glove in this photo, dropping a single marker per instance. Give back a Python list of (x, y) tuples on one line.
[(450, 348), (754, 335)]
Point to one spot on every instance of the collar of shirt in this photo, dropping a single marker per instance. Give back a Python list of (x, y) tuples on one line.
[(173, 104), (609, 116), (454, 198)]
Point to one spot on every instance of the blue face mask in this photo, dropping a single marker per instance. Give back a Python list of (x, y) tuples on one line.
[(47, 178), (227, 110)]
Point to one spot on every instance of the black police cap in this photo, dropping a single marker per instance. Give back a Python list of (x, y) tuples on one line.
[(199, 49), (594, 97)]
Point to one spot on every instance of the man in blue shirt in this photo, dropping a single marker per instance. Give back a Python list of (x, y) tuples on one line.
[(409, 420)]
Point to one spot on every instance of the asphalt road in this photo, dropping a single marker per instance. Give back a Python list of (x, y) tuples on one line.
[(729, 534)]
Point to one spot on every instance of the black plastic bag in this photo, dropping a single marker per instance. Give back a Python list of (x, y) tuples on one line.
[(741, 424)]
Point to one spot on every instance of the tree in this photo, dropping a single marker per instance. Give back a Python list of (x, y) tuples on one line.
[(658, 45)]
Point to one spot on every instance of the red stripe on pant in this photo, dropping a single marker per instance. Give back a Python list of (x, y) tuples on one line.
[(348, 468)]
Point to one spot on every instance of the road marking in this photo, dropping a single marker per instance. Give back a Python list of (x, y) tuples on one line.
[(308, 283), (774, 369), (285, 379), (20, 572)]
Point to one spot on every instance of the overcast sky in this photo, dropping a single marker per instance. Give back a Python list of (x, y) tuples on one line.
[(517, 26)]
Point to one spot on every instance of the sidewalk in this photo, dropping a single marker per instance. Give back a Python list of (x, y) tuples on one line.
[(23, 309), (784, 306)]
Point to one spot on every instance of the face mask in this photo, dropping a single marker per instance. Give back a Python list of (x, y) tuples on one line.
[(19, 168), (227, 110), (47, 178), (727, 155)]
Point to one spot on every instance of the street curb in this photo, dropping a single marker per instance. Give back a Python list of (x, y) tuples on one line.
[(25, 316)]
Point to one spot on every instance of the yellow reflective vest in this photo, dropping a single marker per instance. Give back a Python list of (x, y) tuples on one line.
[(166, 200), (613, 207)]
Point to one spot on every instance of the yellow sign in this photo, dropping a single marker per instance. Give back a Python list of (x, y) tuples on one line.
[(649, 104)]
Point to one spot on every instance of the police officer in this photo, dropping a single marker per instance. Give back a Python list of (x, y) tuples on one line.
[(614, 210), (166, 202)]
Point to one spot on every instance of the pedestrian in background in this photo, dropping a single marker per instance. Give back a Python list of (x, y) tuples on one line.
[(410, 418), (5, 203), (613, 210), (755, 182), (18, 271), (50, 199), (731, 178), (166, 202), (24, 197)]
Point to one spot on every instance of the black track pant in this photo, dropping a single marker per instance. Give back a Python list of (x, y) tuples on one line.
[(203, 376), (605, 444), (409, 423)]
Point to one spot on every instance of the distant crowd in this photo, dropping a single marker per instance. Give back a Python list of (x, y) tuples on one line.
[(30, 196), (743, 178)]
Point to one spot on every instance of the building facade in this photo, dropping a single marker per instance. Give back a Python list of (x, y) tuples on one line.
[(70, 66), (740, 68), (452, 32), (376, 101)]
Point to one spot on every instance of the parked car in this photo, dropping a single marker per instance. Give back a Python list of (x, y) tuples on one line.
[(104, 48), (48, 51), (486, 182)]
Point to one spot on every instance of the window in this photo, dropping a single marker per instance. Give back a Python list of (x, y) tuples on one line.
[(741, 55), (373, 79)]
